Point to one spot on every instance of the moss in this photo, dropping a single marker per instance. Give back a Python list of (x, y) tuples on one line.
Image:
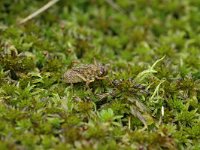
[(149, 99)]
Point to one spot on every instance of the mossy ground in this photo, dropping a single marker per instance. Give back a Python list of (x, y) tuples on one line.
[(153, 52)]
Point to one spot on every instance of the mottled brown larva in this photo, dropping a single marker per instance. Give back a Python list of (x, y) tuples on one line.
[(85, 73)]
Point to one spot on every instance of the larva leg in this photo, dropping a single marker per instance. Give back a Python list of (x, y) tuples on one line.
[(100, 78), (83, 78)]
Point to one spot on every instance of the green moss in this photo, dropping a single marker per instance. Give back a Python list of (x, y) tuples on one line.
[(149, 100)]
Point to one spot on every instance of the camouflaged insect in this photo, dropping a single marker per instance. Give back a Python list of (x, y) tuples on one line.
[(85, 73)]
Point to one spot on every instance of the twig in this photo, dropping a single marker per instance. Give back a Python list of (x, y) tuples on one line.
[(39, 11)]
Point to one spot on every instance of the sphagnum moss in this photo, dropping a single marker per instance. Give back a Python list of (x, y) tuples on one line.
[(146, 101)]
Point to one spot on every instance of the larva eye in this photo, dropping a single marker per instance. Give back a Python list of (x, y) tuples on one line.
[(103, 71)]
